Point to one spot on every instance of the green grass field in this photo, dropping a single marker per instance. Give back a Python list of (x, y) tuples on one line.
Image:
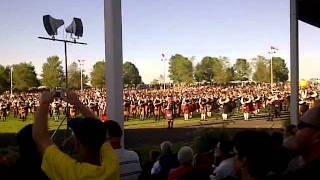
[(13, 125)]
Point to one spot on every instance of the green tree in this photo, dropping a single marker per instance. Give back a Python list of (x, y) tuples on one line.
[(223, 73), (242, 70), (279, 69), (213, 69), (262, 69), (4, 78), (52, 73), (24, 76), (205, 70), (154, 81), (98, 74), (180, 69), (131, 74), (74, 76)]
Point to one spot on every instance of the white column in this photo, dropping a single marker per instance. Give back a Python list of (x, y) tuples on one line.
[(294, 62), (113, 56)]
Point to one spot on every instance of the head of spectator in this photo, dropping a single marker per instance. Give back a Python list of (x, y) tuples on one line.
[(185, 155), (27, 147), (28, 165), (307, 138), (280, 157), (114, 133), (89, 135), (252, 154), (154, 155), (224, 150), (166, 147)]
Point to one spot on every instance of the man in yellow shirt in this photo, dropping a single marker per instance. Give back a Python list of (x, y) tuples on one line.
[(97, 160)]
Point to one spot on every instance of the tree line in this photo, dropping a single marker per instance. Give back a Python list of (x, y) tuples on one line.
[(53, 75), (218, 70), (181, 70)]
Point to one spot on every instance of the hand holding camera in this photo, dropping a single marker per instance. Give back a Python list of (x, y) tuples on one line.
[(47, 97), (71, 97), (59, 93)]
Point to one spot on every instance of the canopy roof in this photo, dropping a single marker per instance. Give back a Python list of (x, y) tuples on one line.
[(309, 11)]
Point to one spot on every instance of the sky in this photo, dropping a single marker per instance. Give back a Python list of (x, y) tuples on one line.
[(233, 28)]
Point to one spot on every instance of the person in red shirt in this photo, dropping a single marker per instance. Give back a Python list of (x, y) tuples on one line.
[(185, 157)]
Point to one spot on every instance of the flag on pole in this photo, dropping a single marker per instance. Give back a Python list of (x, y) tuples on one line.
[(162, 55), (274, 48)]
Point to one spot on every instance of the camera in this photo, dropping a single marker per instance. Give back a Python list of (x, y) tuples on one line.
[(59, 93)]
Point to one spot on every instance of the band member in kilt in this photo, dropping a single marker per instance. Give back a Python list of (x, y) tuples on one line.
[(177, 108), (170, 112), (226, 109), (133, 107), (150, 108), (3, 111), (209, 108), (270, 107), (142, 109), (246, 103), (257, 104), (126, 105), (186, 109), (277, 106), (202, 109), (157, 108)]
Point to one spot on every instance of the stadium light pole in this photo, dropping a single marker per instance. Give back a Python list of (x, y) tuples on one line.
[(81, 61), (11, 84), (272, 51), (163, 58)]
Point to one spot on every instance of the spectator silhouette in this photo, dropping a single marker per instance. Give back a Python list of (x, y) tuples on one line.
[(252, 154), (307, 144), (185, 157), (97, 160), (166, 162), (130, 168), (224, 152), (146, 168), (28, 164)]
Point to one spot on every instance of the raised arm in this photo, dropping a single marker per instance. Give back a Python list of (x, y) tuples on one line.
[(40, 132), (73, 99)]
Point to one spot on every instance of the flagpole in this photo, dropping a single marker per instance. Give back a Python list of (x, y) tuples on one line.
[(11, 84), (164, 71), (272, 51)]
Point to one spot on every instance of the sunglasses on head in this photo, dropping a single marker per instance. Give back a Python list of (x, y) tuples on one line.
[(302, 125)]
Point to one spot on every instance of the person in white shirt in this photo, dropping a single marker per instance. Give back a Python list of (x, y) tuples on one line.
[(130, 168)]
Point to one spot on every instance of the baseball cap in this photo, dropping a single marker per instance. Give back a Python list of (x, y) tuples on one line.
[(89, 131)]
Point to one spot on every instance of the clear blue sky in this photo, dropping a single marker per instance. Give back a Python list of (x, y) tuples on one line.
[(232, 28)]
